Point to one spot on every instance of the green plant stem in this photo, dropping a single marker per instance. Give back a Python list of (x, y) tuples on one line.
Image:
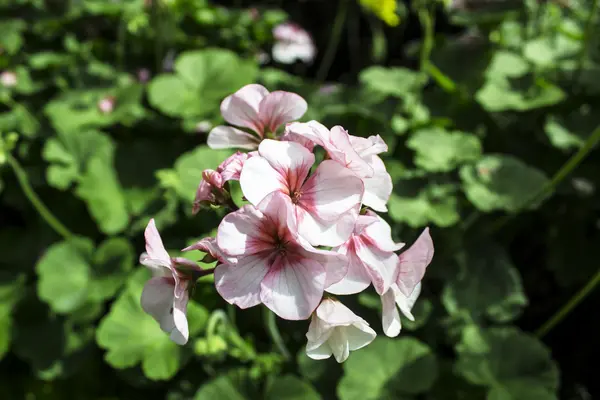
[(428, 25), (587, 36), (271, 324), (567, 308), (33, 198), (560, 175), (379, 41), (334, 40)]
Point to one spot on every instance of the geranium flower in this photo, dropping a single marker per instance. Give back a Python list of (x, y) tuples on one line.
[(335, 329), (255, 108), (165, 296), (292, 43), (370, 251), (274, 266), (325, 205), (8, 79), (356, 153), (391, 301)]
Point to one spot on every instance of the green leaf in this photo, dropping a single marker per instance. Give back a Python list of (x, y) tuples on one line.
[(500, 94), (488, 285), (570, 131), (393, 81), (113, 260), (505, 64), (11, 39), (395, 369), (548, 52), (438, 150), (188, 169), (64, 274), (11, 290), (309, 368), (501, 182), (430, 204), (289, 387), (512, 364), (202, 80), (235, 385)]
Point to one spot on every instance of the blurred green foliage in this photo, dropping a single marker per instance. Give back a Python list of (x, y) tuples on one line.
[(110, 102)]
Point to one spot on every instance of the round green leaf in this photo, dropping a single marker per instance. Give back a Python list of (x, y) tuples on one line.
[(392, 81), (235, 385), (501, 182), (64, 274), (388, 369), (430, 204), (289, 387), (512, 364), (112, 262)]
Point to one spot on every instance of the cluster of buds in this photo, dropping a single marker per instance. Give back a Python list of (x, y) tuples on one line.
[(309, 232)]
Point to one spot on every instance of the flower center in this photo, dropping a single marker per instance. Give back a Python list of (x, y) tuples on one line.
[(295, 196)]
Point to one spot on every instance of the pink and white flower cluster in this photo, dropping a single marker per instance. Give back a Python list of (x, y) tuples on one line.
[(308, 233)]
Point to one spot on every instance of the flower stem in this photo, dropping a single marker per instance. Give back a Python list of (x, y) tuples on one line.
[(379, 42), (271, 324), (427, 23), (334, 41), (562, 173), (567, 308), (37, 203)]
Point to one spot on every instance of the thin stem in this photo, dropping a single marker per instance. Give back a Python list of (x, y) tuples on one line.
[(334, 40), (271, 323), (589, 30), (562, 173), (567, 308), (444, 81), (379, 42), (37, 203), (428, 24)]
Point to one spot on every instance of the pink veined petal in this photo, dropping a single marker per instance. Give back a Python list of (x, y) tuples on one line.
[(340, 149), (226, 137), (259, 178), (293, 287), (243, 232), (180, 333), (366, 147), (291, 160), (406, 303), (278, 208), (293, 137), (336, 264), (157, 300), (158, 267), (203, 193), (356, 279), (331, 191), (381, 265), (209, 245), (378, 188), (154, 245), (363, 221), (241, 108), (334, 313), (359, 335), (240, 283), (380, 234), (413, 262), (280, 107), (311, 130), (231, 168), (325, 233), (390, 318)]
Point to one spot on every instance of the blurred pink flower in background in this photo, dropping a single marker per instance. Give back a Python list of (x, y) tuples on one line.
[(292, 43), (143, 75), (107, 105), (8, 79)]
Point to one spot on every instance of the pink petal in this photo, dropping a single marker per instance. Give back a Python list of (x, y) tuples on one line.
[(243, 232), (331, 191), (278, 208), (366, 147), (378, 188), (293, 137), (312, 130), (231, 168), (340, 149), (356, 279), (242, 107), (203, 194), (406, 303), (259, 178), (293, 287), (325, 233), (380, 234), (157, 300), (154, 245), (413, 262), (225, 137), (381, 265), (180, 333), (240, 283), (390, 318), (209, 245), (336, 264), (280, 107), (292, 160)]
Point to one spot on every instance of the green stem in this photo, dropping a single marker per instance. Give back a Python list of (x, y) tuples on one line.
[(379, 42), (444, 81), (567, 308), (271, 323), (334, 41), (562, 173), (35, 200), (427, 23), (589, 30)]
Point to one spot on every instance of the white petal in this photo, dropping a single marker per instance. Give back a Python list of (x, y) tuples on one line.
[(157, 300), (325, 233), (366, 147), (241, 108), (318, 333), (406, 303), (359, 335), (239, 283), (242, 232), (321, 352), (356, 279), (390, 318), (259, 178), (280, 107), (226, 137), (311, 130), (413, 263), (378, 188), (338, 341), (381, 265), (154, 245), (291, 160), (180, 333), (380, 234), (334, 313)]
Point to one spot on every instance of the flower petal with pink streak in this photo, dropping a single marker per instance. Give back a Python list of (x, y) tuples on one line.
[(293, 137), (331, 191), (366, 147), (225, 137), (325, 233), (209, 245), (293, 287), (356, 279), (242, 233), (340, 149), (278, 208), (280, 107), (259, 178), (336, 264), (154, 245), (380, 234), (406, 303), (381, 265), (292, 160), (413, 262), (240, 283), (390, 316), (242, 107), (231, 167)]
